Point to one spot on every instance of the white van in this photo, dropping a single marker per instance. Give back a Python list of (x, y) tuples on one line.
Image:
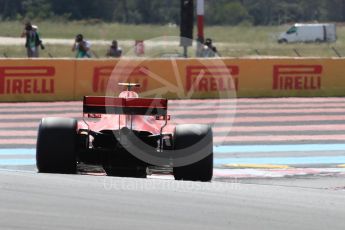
[(309, 33)]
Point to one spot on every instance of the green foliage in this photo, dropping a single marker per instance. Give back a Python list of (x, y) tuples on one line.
[(218, 12), (227, 13), (9, 9), (37, 9)]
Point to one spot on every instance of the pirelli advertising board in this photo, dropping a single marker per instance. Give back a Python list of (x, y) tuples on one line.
[(60, 79), (158, 78), (36, 80)]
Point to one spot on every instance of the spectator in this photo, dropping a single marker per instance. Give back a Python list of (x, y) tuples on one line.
[(114, 50), (209, 50), (32, 40), (81, 47), (35, 28)]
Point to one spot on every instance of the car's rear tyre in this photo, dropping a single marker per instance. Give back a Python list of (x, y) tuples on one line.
[(194, 139), (56, 147)]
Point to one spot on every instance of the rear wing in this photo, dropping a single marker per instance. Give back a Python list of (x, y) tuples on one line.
[(125, 106)]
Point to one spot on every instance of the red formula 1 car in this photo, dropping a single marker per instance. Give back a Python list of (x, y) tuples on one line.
[(131, 138)]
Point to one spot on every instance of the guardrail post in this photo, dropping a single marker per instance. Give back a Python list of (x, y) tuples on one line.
[(297, 53), (336, 51)]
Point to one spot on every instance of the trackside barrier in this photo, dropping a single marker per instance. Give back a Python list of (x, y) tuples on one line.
[(71, 79), (36, 80)]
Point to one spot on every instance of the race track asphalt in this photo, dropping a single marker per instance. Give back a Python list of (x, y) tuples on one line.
[(43, 201)]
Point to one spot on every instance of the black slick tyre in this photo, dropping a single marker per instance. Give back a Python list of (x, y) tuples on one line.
[(56, 148), (193, 139)]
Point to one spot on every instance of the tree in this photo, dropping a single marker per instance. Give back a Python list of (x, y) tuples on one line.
[(37, 9), (218, 12), (335, 10), (9, 9), (224, 12)]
